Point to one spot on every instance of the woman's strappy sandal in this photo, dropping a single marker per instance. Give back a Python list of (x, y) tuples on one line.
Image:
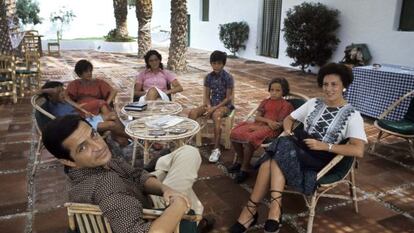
[(273, 226), (240, 228)]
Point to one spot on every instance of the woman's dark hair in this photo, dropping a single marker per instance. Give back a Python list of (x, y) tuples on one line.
[(149, 54), (218, 56), (50, 84), (344, 72), (283, 83), (83, 66), (56, 131)]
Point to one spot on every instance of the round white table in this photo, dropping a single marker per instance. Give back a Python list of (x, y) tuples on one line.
[(140, 129)]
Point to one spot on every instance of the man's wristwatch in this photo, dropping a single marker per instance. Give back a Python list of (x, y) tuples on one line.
[(330, 147)]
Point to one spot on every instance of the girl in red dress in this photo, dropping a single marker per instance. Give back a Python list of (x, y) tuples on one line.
[(248, 136)]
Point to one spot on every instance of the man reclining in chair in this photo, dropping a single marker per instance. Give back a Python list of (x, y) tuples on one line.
[(57, 105), (117, 188)]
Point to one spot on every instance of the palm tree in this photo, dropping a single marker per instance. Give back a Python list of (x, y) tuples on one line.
[(143, 11), (178, 41), (121, 13), (7, 11)]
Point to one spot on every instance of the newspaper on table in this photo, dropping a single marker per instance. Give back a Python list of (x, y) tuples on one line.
[(163, 122)]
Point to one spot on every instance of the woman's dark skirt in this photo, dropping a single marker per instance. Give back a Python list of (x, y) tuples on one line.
[(299, 166)]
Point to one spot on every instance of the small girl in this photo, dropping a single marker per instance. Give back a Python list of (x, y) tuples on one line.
[(246, 137)]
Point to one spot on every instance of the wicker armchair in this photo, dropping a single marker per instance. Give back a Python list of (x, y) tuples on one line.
[(8, 77), (41, 117), (28, 70), (53, 47), (207, 128), (339, 171), (402, 128), (88, 218)]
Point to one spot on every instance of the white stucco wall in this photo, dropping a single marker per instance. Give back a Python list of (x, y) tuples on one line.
[(372, 22), (206, 34), (362, 21)]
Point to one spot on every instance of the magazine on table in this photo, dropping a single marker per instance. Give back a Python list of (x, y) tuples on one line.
[(164, 122)]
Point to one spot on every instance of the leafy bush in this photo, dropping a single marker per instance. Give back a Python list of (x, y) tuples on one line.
[(310, 33), (114, 37), (28, 11), (233, 35), (61, 17)]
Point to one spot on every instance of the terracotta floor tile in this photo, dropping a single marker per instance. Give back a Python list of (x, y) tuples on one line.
[(209, 170), (13, 163), (52, 221), (20, 127), (402, 199), (17, 147), (398, 223), (374, 211), (14, 195), (13, 225), (50, 188), (18, 137)]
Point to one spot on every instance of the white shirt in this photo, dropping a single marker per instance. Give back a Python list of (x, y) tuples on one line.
[(347, 123)]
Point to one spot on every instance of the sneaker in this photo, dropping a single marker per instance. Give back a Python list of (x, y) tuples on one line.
[(215, 155)]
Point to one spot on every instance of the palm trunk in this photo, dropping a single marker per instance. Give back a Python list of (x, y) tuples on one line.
[(121, 12), (7, 11), (178, 41), (144, 14)]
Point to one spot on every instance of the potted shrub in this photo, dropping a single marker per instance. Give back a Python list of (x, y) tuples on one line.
[(113, 36), (310, 34), (233, 35)]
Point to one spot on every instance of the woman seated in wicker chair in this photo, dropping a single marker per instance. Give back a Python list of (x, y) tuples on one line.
[(295, 159), (155, 82), (90, 95), (57, 105)]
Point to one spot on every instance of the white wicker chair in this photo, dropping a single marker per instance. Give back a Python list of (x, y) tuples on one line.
[(37, 101), (88, 218), (8, 77)]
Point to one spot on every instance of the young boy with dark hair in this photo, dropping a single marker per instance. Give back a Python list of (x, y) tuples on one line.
[(218, 98)]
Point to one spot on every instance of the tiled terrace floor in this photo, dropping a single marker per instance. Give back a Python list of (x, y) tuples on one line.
[(34, 204)]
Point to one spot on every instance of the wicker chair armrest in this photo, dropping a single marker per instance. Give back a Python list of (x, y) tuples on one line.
[(95, 210), (38, 108), (329, 166), (251, 113), (290, 96), (297, 94)]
